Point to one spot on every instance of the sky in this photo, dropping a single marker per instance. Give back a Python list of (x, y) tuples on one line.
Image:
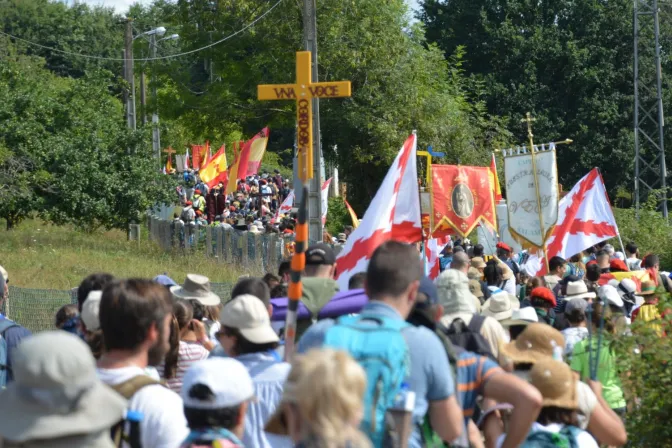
[(121, 6)]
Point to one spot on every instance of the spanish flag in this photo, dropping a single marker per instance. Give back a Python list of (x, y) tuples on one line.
[(494, 180), (353, 215), (248, 160), (215, 171)]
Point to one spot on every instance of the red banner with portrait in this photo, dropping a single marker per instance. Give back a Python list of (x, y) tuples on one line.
[(462, 196)]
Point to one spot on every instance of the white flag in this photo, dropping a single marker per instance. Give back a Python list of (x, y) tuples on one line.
[(394, 214)]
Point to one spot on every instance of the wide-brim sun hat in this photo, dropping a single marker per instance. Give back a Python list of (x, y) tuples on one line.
[(56, 392), (500, 305), (196, 287), (522, 316), (556, 383), (578, 290), (538, 341)]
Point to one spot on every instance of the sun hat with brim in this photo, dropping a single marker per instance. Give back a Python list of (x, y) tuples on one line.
[(475, 288), (56, 392), (249, 316), (648, 288), (499, 306), (522, 316), (554, 380), (536, 342), (578, 290), (610, 295), (196, 287)]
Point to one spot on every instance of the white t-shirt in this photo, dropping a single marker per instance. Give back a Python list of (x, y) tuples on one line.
[(583, 439), (163, 424)]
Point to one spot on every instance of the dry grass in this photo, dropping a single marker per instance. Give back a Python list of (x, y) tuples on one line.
[(39, 255)]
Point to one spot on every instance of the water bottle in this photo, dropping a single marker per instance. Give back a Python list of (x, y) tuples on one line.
[(405, 399), (401, 414)]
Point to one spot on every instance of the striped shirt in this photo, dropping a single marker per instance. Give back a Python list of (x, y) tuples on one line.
[(189, 352), (473, 372)]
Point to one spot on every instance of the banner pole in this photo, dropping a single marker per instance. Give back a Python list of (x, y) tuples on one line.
[(529, 120)]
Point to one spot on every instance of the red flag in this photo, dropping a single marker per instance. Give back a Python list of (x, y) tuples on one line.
[(462, 197), (585, 218), (394, 214), (196, 156), (433, 248)]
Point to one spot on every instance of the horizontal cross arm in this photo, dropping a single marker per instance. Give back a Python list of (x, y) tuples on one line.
[(277, 92), (333, 89)]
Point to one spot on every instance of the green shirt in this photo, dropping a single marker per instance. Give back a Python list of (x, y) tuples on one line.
[(606, 370)]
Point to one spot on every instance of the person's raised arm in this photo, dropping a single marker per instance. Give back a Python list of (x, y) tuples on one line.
[(604, 424), (526, 401), (446, 418)]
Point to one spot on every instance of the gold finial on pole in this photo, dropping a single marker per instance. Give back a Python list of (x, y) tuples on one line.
[(528, 119)]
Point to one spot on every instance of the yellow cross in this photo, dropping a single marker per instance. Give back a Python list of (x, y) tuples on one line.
[(170, 151), (302, 92)]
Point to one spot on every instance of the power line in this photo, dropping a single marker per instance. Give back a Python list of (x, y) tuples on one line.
[(104, 58)]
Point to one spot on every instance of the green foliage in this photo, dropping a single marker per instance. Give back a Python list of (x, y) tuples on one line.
[(650, 232), (644, 359), (337, 216), (568, 62), (399, 84), (65, 152)]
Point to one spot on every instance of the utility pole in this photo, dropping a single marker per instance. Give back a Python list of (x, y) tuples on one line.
[(650, 169), (143, 97), (315, 186), (156, 133), (129, 75)]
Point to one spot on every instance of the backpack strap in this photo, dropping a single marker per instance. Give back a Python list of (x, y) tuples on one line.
[(6, 324), (476, 323), (130, 387)]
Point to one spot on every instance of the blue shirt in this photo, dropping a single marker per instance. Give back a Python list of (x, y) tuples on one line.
[(430, 376), (13, 336), (268, 376)]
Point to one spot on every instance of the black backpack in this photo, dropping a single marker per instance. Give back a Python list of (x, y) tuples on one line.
[(469, 337)]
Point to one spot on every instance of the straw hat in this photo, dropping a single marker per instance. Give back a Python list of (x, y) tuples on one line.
[(556, 383), (500, 306), (648, 288), (536, 342), (578, 290), (522, 316), (196, 287)]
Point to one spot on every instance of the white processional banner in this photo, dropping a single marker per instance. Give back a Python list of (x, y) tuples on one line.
[(532, 200)]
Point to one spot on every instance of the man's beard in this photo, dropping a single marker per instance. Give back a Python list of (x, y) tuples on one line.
[(157, 353)]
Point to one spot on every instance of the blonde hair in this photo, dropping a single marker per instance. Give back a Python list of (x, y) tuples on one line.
[(327, 386)]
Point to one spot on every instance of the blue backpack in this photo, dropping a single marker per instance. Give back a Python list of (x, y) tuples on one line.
[(566, 438), (377, 344), (5, 324)]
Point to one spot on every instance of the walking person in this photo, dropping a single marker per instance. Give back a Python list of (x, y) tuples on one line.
[(135, 317), (185, 348)]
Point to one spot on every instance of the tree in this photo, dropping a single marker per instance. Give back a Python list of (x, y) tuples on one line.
[(569, 62), (65, 152), (399, 83)]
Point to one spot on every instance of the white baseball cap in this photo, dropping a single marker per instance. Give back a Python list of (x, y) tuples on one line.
[(91, 311), (249, 315), (228, 379)]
